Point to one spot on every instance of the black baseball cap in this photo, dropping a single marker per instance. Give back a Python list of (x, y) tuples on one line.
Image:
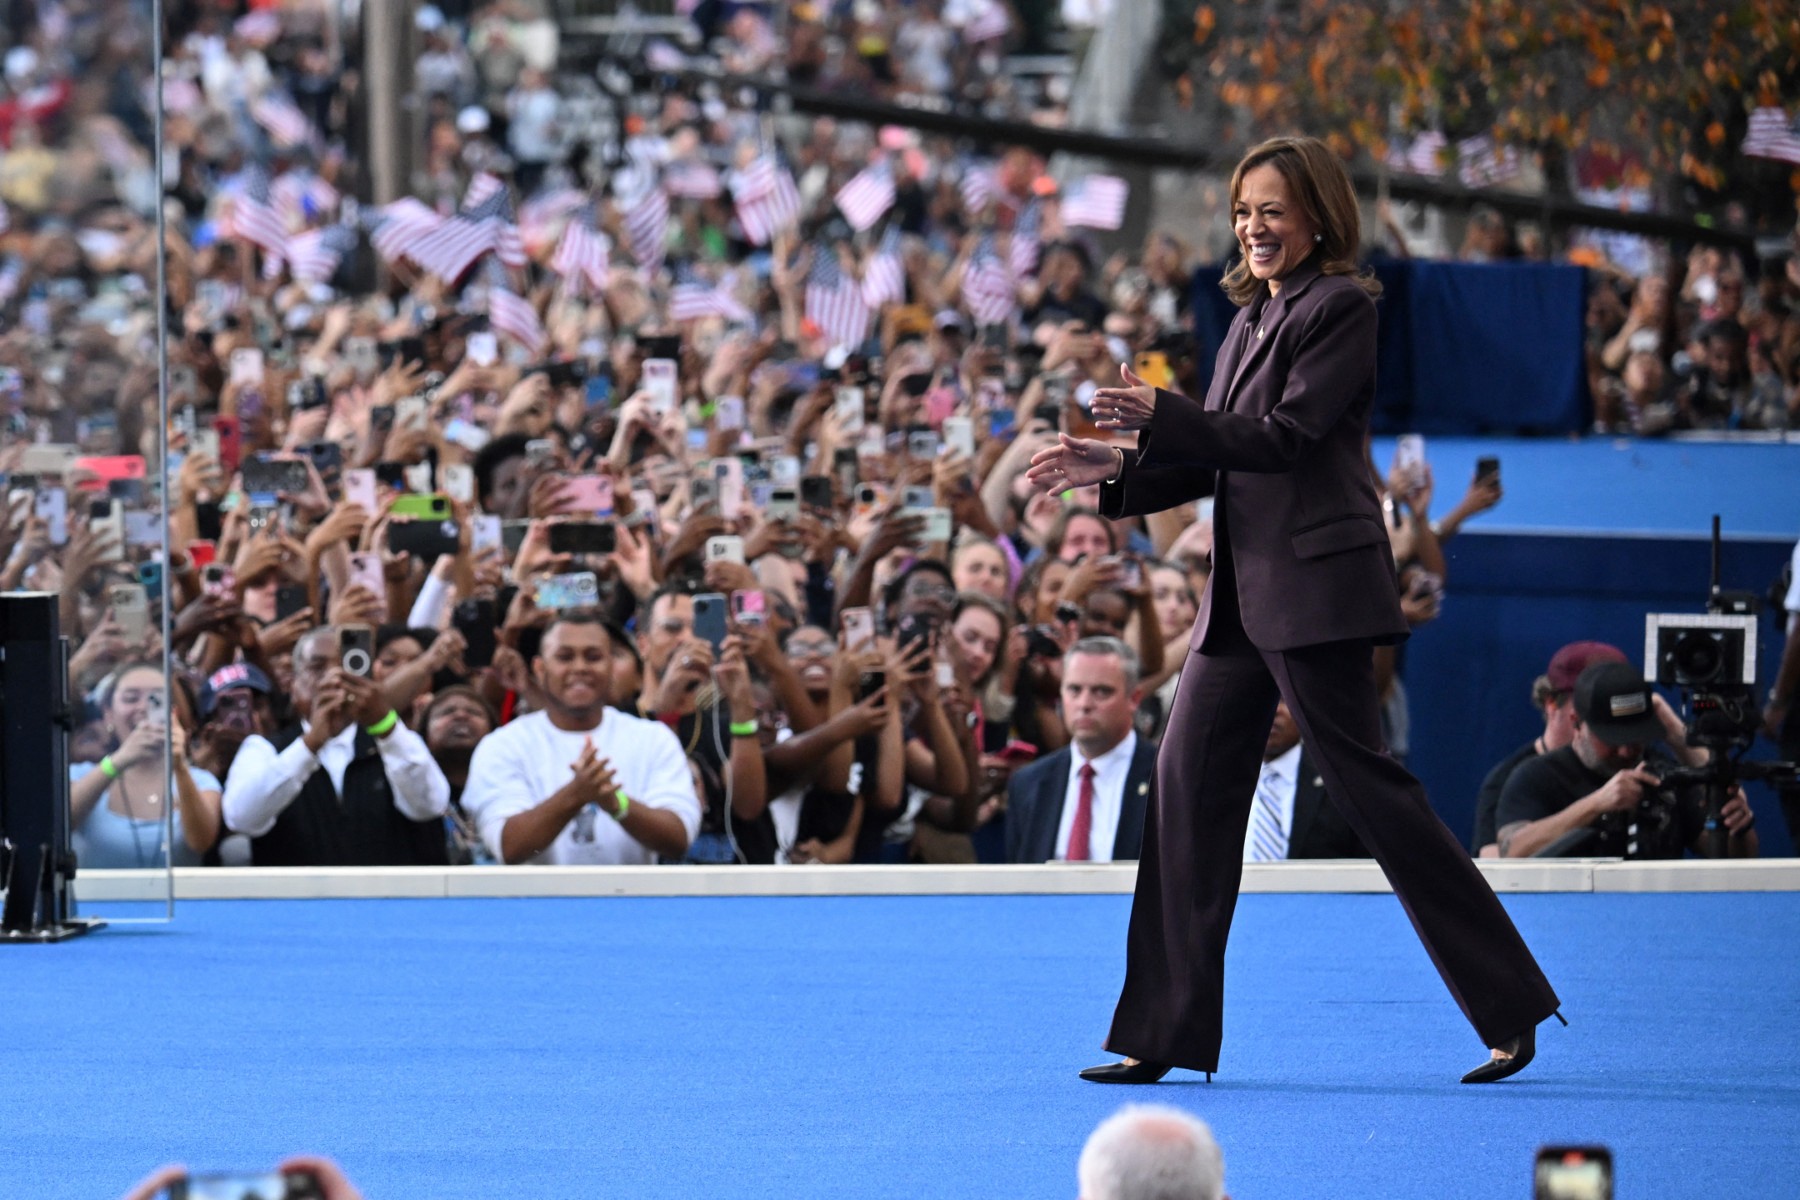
[(1614, 701)]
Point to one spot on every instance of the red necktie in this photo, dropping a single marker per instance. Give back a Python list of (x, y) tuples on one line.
[(1083, 824)]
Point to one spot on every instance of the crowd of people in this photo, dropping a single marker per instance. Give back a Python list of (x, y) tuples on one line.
[(1701, 347), (657, 500), (1707, 344)]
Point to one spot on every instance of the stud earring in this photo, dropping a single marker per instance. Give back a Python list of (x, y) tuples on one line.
[(1318, 237)]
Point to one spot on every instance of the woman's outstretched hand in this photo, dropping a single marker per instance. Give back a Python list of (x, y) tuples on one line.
[(1073, 463), (1129, 407)]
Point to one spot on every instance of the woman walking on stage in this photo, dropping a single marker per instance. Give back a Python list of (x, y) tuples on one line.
[(1302, 589)]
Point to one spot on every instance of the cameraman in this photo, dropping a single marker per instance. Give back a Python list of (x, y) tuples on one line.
[(1609, 768)]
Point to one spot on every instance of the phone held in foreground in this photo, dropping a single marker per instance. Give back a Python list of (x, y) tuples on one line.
[(859, 629), (366, 569), (578, 589), (1573, 1173), (255, 1185), (583, 537), (130, 611), (477, 620), (726, 548), (356, 650), (661, 384), (710, 622), (748, 607), (1409, 458)]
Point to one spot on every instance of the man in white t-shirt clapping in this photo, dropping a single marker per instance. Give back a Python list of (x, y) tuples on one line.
[(581, 782)]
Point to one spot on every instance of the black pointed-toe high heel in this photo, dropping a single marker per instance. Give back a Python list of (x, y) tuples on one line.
[(1128, 1072), (1519, 1050)]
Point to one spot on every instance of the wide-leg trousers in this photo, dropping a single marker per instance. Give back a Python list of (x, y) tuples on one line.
[(1170, 1010)]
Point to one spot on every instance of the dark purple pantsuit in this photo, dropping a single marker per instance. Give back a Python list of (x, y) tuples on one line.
[(1302, 590)]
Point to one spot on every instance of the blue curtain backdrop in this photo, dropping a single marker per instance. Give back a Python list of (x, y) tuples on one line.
[(1466, 348)]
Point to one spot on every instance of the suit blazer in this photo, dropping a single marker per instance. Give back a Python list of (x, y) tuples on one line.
[(1319, 830), (1034, 805), (1278, 443)]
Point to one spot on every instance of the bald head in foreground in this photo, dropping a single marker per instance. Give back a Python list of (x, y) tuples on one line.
[(1151, 1152)]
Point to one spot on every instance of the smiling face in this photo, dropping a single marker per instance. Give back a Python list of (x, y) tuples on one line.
[(1273, 231), (574, 667), (809, 652), (137, 693)]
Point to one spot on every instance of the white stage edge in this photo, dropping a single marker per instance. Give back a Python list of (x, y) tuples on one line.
[(343, 883)]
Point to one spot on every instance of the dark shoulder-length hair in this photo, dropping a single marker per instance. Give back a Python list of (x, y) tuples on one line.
[(1322, 188)]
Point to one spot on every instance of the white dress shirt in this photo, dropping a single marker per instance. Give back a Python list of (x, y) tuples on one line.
[(1110, 771), (1282, 776), (522, 764), (262, 782)]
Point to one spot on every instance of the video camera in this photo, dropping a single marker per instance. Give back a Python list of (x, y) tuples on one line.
[(1711, 659)]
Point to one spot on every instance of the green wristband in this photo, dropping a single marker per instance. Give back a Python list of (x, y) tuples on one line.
[(624, 804), (743, 728), (384, 726), (107, 769)]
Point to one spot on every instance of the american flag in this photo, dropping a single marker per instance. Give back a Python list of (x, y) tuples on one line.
[(395, 228), (286, 124), (1424, 156), (584, 251), (691, 179), (261, 26), (1096, 202), (180, 94), (484, 225), (1772, 135), (990, 23), (482, 187), (866, 197), (693, 298), (987, 286), (884, 275), (253, 215), (512, 314), (314, 255), (1481, 163), (979, 183), (647, 227), (538, 216), (1027, 240), (834, 301), (488, 199), (301, 196), (766, 198)]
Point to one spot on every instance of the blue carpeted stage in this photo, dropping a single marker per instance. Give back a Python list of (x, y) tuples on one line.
[(902, 1047)]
